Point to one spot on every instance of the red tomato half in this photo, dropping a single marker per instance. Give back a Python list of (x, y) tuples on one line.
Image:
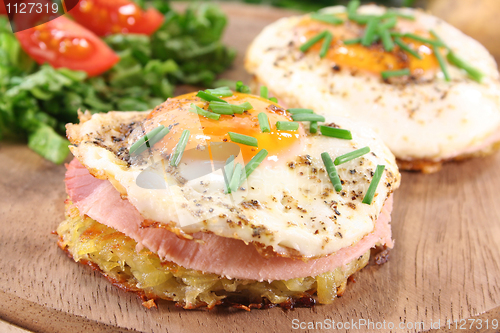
[(106, 17), (3, 10), (64, 43)]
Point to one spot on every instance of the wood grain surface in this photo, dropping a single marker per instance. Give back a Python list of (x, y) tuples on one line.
[(445, 265)]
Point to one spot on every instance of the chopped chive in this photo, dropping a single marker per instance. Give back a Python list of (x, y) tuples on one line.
[(264, 122), (362, 19), (287, 126), (435, 35), (243, 139), (335, 132), (196, 109), (398, 14), (313, 40), (396, 34), (307, 117), (388, 24), (157, 137), (242, 107), (353, 6), (149, 140), (474, 73), (209, 97), (370, 193), (143, 139), (371, 28), (255, 162), (228, 172), (441, 62), (352, 155), (299, 110), (264, 92), (273, 99), (179, 149), (407, 48), (240, 87), (332, 171), (406, 16), (327, 41), (236, 178), (386, 40), (399, 72), (313, 127), (327, 18), (434, 42), (352, 41), (220, 92), (221, 108)]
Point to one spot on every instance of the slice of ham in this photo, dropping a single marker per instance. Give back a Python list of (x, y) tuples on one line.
[(227, 257)]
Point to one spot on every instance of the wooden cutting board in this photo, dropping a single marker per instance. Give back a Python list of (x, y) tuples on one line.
[(445, 265)]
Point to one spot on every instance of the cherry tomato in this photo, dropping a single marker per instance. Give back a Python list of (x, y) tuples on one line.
[(3, 10), (105, 17), (64, 43)]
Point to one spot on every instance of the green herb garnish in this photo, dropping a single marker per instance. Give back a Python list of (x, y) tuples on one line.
[(236, 178), (228, 172), (240, 87), (435, 35), (221, 108), (196, 109), (313, 127), (264, 122), (242, 107), (398, 14), (407, 48), (434, 42), (149, 140), (220, 92), (369, 36), (307, 117), (388, 24), (327, 18), (332, 171), (273, 99), (179, 148), (386, 40), (399, 72), (299, 110), (352, 41), (352, 155), (264, 92), (243, 139), (335, 132), (327, 41), (474, 73), (352, 7), (255, 162), (313, 40), (287, 126), (370, 193), (209, 97), (441, 62), (363, 19)]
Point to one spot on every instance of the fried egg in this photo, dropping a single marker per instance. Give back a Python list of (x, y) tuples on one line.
[(286, 207), (423, 118)]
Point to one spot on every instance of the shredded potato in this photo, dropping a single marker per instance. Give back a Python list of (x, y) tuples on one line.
[(115, 254)]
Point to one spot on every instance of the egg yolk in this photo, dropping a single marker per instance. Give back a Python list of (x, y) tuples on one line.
[(374, 58), (175, 113)]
